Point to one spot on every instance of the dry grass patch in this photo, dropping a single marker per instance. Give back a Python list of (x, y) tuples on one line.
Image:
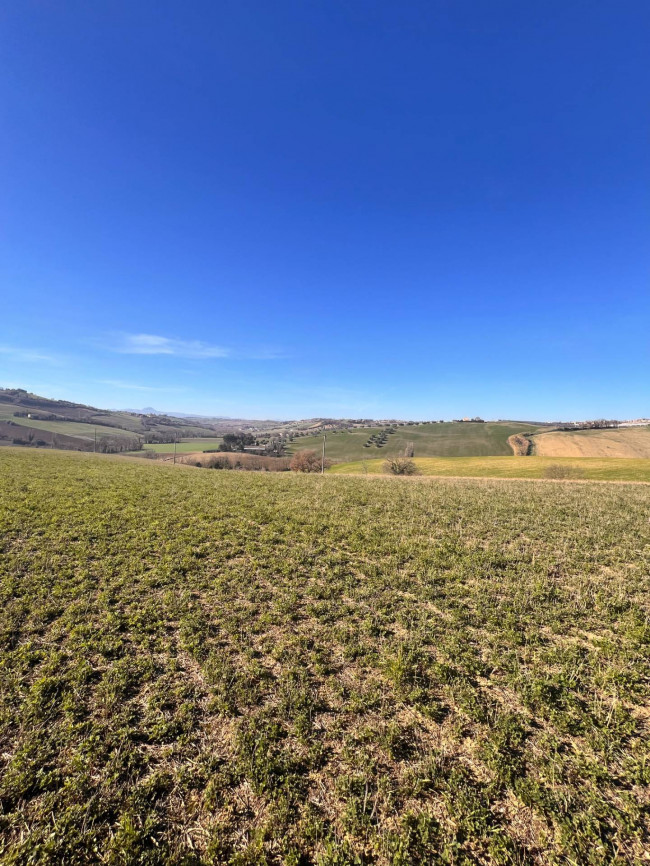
[(624, 442)]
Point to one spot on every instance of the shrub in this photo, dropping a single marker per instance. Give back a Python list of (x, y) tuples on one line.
[(400, 466), (561, 470), (219, 463), (307, 461)]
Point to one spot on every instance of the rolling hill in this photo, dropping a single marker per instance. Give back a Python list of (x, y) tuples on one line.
[(449, 439), (31, 420)]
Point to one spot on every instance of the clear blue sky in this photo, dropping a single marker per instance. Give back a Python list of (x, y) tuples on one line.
[(319, 207)]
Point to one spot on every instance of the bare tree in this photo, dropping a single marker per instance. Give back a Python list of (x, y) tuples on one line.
[(400, 466)]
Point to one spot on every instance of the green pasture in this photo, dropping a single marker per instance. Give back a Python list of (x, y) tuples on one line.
[(203, 667), (71, 428), (429, 440)]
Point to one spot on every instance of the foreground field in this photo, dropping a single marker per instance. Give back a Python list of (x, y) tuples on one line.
[(205, 667), (429, 440), (623, 442), (513, 467)]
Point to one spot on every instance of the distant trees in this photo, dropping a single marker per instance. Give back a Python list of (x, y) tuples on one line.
[(236, 441), (597, 424), (116, 444), (379, 439), (158, 437), (275, 446)]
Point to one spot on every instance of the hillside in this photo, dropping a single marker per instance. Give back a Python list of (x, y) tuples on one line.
[(621, 442), (451, 439), (30, 419), (240, 668)]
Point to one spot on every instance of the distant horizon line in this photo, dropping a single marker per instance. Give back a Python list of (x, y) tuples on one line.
[(150, 410)]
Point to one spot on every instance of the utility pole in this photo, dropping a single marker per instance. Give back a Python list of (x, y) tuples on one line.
[(175, 438), (322, 468), (95, 441)]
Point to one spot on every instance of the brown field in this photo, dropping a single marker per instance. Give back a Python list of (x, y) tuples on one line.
[(626, 442), (236, 459)]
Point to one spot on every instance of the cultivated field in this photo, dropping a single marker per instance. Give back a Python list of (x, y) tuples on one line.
[(68, 428), (221, 667), (595, 469), (623, 442), (430, 440), (83, 422)]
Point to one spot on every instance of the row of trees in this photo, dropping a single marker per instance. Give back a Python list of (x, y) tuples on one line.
[(31, 437), (272, 446), (598, 424), (379, 439)]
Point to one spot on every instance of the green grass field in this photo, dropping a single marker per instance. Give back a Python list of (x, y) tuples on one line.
[(430, 440), (238, 668), (590, 468), (71, 428), (186, 446)]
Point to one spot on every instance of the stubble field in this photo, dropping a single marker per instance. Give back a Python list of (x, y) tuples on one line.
[(627, 442), (225, 667)]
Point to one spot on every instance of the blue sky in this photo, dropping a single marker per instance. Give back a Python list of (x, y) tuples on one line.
[(289, 209)]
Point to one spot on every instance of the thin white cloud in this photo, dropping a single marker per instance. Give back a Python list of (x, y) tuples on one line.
[(30, 356), (153, 344), (132, 386)]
